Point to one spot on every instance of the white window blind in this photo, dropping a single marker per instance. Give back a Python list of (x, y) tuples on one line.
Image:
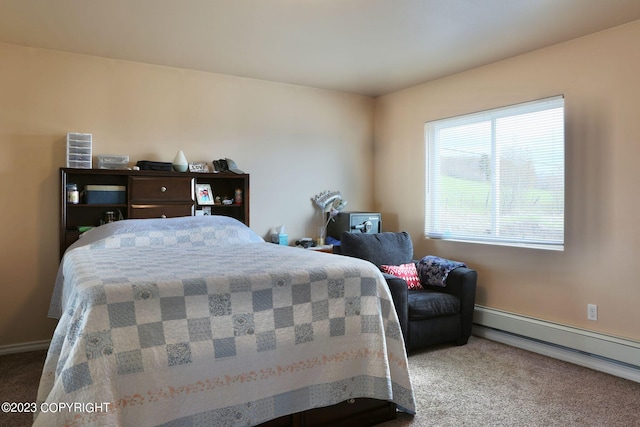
[(497, 176)]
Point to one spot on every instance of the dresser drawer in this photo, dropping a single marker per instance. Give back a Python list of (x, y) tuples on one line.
[(161, 189), (139, 211)]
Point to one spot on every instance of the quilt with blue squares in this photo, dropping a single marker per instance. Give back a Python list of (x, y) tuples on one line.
[(197, 321)]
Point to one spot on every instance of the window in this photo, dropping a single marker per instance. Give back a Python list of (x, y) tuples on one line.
[(497, 176)]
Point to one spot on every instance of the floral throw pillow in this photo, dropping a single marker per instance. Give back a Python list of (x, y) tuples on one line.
[(407, 272)]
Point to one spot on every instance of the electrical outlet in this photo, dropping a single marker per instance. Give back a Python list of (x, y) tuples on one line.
[(592, 312)]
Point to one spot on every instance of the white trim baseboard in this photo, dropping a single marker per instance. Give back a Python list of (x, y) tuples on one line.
[(605, 353), (24, 347)]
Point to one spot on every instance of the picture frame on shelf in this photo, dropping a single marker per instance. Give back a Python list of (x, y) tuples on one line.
[(204, 194), (199, 167), (205, 211)]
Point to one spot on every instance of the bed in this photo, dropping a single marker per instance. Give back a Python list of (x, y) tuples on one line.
[(199, 321)]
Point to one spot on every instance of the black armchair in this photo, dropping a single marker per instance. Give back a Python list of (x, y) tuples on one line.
[(428, 316)]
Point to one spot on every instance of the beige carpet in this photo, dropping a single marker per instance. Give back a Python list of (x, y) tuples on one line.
[(19, 378), (489, 384), (481, 384)]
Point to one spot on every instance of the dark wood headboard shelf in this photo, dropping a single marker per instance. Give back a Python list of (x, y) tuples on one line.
[(148, 194)]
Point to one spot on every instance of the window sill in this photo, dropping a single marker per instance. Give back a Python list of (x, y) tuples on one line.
[(525, 245)]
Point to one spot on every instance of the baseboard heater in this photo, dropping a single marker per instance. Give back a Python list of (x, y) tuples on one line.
[(605, 353)]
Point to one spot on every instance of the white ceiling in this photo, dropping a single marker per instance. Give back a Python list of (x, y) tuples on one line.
[(370, 47)]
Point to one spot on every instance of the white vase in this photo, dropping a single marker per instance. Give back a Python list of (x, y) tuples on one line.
[(180, 163)]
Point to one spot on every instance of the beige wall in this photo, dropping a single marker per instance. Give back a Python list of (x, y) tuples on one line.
[(298, 141), (598, 75), (294, 141)]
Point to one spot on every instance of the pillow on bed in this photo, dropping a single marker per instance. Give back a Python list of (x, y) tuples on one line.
[(210, 230), (407, 272)]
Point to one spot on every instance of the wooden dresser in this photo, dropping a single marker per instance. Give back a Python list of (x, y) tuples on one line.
[(147, 194)]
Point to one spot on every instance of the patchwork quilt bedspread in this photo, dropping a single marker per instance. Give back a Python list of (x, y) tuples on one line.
[(203, 323)]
